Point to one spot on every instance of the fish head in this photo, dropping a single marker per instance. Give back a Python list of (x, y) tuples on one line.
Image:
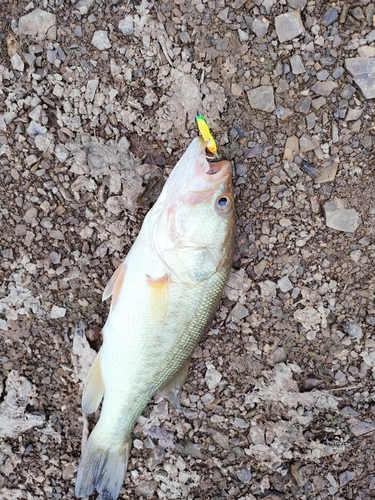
[(194, 216)]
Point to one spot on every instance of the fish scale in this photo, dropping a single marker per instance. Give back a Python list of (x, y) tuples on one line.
[(164, 296)]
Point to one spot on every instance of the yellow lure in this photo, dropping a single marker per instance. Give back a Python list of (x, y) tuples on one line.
[(206, 134)]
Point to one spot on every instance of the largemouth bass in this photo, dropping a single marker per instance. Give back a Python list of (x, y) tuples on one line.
[(164, 296)]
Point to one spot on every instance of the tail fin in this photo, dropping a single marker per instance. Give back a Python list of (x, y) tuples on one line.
[(102, 467)]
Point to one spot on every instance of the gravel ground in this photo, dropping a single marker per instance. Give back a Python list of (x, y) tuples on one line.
[(97, 101)]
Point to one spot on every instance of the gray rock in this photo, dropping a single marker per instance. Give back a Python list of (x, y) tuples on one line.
[(284, 284), (84, 4), (366, 51), (146, 489), (328, 174), (38, 22), (362, 70), (262, 98), (278, 356), (324, 88), (330, 16), (309, 317), (212, 377), (126, 25), (322, 75), (267, 288), (239, 312), (340, 218), (242, 35), (353, 114), (297, 65), (57, 312), (346, 476), (352, 328), (100, 40), (267, 5), (260, 26), (359, 428), (91, 88), (307, 143), (17, 62), (297, 3), (244, 475), (289, 26), (35, 128), (219, 438), (184, 37), (357, 12)]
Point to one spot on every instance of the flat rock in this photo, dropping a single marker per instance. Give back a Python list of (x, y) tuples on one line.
[(328, 174), (100, 40), (242, 35), (291, 147), (324, 88), (146, 489), (289, 26), (239, 312), (262, 98), (267, 288), (284, 284), (57, 312), (340, 218), (309, 317), (359, 428), (297, 65), (362, 69), (297, 3), (38, 22), (260, 26), (17, 62), (212, 377), (307, 143)]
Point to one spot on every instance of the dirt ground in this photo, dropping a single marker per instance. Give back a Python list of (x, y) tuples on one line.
[(96, 106)]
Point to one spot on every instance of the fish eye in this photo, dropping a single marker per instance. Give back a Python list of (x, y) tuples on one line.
[(224, 204)]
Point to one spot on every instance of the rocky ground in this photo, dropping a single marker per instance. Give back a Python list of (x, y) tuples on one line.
[(97, 101)]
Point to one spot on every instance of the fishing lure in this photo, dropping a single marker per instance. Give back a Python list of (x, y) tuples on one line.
[(206, 134)]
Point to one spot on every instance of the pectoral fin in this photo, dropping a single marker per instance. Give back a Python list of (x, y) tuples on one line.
[(114, 284), (172, 389), (93, 390)]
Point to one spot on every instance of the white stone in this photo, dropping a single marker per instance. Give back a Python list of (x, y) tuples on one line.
[(212, 377), (126, 25), (100, 40), (243, 36), (57, 312), (285, 284), (17, 62), (38, 22)]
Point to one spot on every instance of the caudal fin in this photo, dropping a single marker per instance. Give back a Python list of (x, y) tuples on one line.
[(102, 467)]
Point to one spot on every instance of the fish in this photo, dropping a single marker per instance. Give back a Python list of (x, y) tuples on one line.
[(164, 296)]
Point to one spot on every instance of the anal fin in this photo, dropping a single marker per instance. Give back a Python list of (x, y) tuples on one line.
[(172, 389), (93, 390)]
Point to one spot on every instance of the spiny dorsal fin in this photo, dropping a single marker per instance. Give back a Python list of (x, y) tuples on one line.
[(94, 387)]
